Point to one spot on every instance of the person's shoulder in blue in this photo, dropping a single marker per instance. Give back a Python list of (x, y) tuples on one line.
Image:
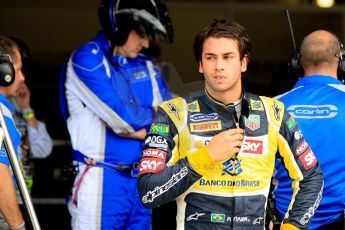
[(7, 110), (92, 54)]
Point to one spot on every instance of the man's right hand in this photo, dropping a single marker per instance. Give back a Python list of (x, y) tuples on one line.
[(23, 96), (225, 144)]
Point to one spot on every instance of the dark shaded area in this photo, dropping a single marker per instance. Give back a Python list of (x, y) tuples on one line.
[(50, 217), (43, 83), (51, 186), (164, 217)]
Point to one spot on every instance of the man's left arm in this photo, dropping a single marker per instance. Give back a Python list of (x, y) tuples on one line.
[(41, 144), (304, 169), (8, 199), (160, 90)]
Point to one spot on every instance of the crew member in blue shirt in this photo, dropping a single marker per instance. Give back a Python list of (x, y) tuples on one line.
[(11, 77), (318, 106)]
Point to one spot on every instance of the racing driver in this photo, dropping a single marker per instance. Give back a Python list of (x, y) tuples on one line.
[(215, 152)]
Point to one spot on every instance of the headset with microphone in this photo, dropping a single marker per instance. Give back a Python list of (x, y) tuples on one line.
[(341, 66), (7, 72), (119, 17), (294, 64)]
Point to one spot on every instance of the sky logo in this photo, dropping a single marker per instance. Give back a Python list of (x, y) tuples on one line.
[(313, 111)]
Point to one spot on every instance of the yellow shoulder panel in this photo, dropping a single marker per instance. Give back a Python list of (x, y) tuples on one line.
[(274, 110), (176, 109)]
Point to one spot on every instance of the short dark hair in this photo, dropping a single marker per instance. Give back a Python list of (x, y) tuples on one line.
[(223, 28), (7, 46)]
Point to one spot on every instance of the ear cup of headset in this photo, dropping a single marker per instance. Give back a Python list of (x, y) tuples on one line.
[(341, 69), (342, 61), (295, 70), (7, 73), (117, 23), (295, 64), (110, 26), (341, 66)]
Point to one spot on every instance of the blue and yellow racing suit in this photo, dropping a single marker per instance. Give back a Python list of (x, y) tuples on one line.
[(231, 194)]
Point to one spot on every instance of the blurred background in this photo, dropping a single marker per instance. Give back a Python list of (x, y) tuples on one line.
[(54, 28)]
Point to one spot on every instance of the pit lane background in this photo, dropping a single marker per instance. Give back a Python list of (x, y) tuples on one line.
[(53, 28)]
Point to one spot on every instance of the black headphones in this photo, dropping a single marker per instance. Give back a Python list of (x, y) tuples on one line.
[(294, 64), (119, 17), (106, 15), (7, 72), (342, 58), (296, 67)]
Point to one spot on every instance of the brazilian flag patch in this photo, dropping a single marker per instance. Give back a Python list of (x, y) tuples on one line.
[(159, 128), (217, 217)]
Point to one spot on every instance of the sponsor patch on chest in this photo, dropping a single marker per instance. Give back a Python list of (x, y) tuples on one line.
[(203, 117), (205, 126), (252, 122), (252, 146), (193, 107)]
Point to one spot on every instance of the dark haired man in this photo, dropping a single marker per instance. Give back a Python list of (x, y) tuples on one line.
[(220, 146)]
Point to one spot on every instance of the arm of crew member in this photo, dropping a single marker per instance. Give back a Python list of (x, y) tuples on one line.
[(100, 93), (140, 134), (8, 198), (40, 142)]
